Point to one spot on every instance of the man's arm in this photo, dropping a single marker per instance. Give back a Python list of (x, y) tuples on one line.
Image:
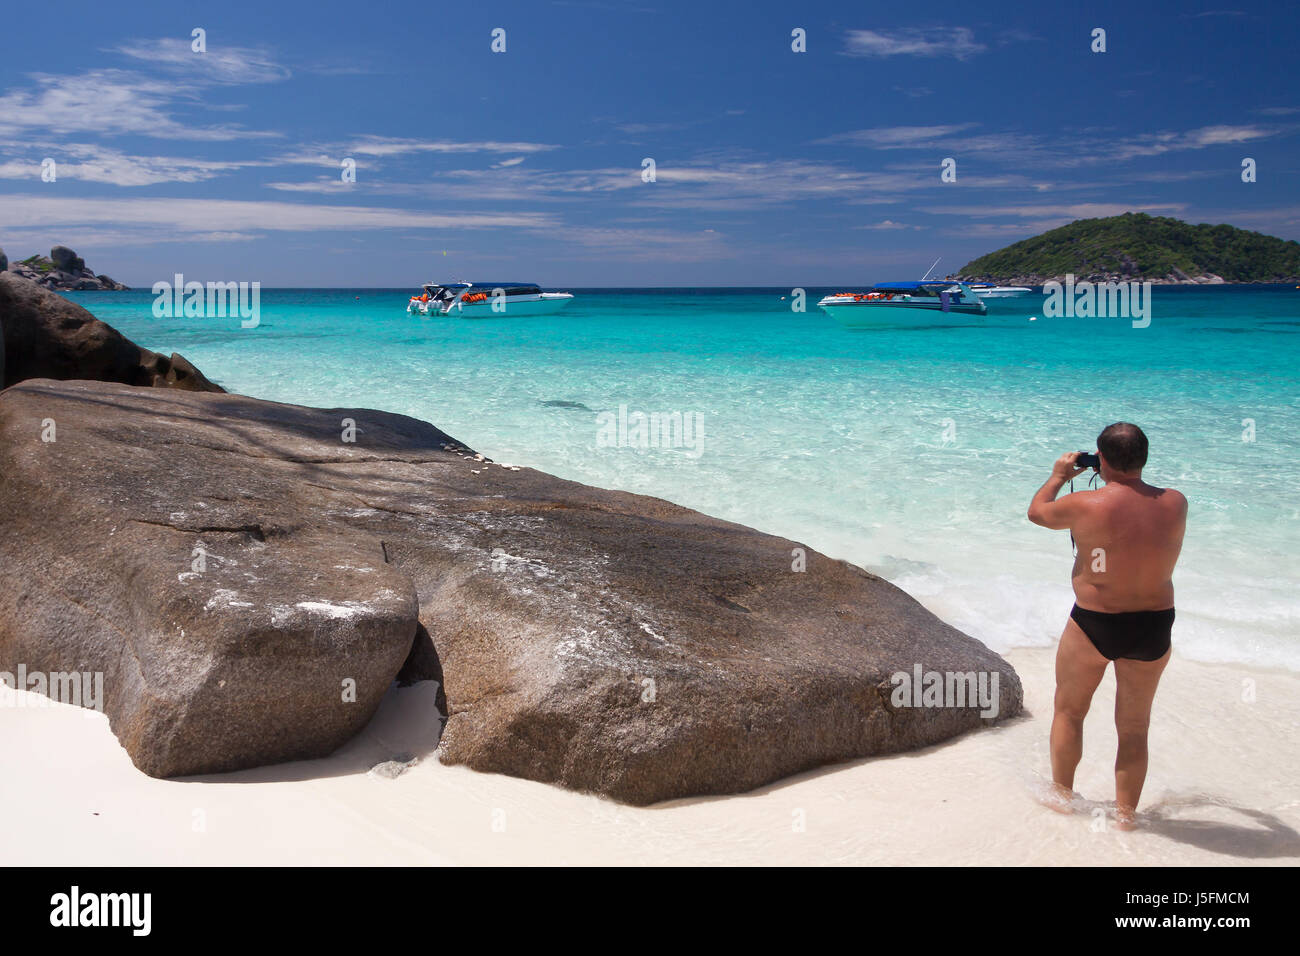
[(1044, 509)]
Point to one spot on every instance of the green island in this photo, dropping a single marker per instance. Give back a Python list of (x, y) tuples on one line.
[(1136, 246)]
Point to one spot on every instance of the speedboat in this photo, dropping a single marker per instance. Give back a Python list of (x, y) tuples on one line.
[(987, 290), (888, 302), (485, 300)]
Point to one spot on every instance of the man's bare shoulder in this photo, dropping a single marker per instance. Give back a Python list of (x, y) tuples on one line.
[(1172, 498)]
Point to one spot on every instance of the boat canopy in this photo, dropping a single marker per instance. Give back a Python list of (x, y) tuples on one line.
[(913, 286), (512, 288)]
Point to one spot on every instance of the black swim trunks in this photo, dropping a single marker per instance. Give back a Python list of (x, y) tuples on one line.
[(1135, 635)]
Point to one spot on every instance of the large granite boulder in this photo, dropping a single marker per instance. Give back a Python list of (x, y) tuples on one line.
[(599, 640), (46, 336), (65, 260)]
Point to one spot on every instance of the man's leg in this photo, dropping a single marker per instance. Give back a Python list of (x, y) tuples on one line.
[(1134, 691), (1079, 669)]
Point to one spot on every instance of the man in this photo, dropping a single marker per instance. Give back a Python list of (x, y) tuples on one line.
[(1129, 535)]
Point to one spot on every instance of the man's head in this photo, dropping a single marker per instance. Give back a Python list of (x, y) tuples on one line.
[(1123, 448)]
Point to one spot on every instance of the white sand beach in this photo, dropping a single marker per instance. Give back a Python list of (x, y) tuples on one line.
[(1223, 789)]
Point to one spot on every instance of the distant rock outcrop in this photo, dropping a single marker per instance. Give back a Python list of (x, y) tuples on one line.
[(62, 270), (249, 584), (43, 335)]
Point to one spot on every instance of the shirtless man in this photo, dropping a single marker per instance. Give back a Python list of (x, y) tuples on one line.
[(1129, 535)]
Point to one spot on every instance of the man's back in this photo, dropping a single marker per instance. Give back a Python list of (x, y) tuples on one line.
[(1129, 535)]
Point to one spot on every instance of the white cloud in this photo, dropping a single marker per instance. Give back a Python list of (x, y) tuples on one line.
[(116, 102), (1078, 147), (106, 102), (219, 64), (663, 245), (243, 216), (93, 237), (396, 146), (724, 183), (897, 137), (323, 184), (1086, 210), (96, 164), (1218, 135), (1167, 141), (638, 128), (956, 42), (887, 225)]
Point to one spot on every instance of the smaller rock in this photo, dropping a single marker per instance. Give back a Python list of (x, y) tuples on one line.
[(392, 769)]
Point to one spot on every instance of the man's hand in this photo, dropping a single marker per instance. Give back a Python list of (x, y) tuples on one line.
[(1065, 467)]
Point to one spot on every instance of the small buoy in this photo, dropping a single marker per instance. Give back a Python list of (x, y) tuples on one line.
[(1033, 318)]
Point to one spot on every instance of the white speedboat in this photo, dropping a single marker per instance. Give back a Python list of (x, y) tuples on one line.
[(889, 303), (486, 300), (987, 290)]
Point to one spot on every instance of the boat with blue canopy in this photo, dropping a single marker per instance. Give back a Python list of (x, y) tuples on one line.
[(481, 300), (889, 302)]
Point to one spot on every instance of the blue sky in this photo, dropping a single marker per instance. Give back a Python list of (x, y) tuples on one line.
[(772, 167)]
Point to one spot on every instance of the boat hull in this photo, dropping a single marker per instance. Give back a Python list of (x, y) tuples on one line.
[(861, 315), (1012, 292), (544, 304)]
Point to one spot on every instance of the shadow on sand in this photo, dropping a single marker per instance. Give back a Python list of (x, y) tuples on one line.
[(1263, 837)]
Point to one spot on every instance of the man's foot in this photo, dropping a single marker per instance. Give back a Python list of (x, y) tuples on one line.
[(1125, 818), (1059, 798)]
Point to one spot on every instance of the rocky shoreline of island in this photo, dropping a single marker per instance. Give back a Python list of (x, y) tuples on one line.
[(1175, 278), (61, 271)]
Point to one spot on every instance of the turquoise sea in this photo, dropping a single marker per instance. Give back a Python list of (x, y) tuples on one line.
[(910, 451)]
